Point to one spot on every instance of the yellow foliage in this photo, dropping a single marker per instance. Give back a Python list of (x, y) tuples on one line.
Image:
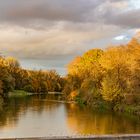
[(112, 72), (73, 94), (12, 62)]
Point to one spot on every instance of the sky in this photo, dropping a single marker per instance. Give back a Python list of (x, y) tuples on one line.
[(47, 34)]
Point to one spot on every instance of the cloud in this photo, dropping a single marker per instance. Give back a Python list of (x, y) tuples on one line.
[(38, 28), (44, 12), (127, 19), (54, 10), (58, 40)]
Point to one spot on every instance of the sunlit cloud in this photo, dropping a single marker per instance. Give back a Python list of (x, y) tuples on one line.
[(121, 37)]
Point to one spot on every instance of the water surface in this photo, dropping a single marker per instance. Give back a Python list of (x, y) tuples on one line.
[(37, 117)]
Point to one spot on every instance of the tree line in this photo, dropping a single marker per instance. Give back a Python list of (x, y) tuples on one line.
[(13, 77), (111, 75)]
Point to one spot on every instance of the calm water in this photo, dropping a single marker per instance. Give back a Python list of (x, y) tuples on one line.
[(35, 117)]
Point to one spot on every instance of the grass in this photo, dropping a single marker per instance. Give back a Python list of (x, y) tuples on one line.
[(18, 93), (22, 93)]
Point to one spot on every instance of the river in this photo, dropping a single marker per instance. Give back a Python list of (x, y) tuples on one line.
[(35, 116)]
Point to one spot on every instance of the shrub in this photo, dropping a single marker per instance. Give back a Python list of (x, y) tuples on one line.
[(28, 88)]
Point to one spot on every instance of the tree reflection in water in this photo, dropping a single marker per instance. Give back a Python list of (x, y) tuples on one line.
[(36, 116), (86, 121)]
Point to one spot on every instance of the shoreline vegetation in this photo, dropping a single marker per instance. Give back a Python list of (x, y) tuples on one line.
[(103, 79), (22, 93), (107, 79)]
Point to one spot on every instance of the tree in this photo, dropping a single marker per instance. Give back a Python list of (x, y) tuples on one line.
[(134, 52), (111, 90), (6, 78), (85, 66), (115, 62), (12, 62), (74, 66), (83, 71)]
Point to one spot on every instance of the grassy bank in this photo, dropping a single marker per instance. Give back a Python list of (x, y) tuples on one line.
[(22, 93), (18, 93)]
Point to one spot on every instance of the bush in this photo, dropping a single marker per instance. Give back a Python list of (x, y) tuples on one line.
[(28, 88)]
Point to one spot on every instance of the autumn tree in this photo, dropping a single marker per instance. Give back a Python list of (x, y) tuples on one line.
[(12, 62), (85, 73), (6, 78), (115, 62), (134, 52)]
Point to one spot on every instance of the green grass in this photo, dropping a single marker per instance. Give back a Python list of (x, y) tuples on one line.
[(18, 93)]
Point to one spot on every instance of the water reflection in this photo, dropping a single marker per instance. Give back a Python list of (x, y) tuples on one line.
[(85, 121), (36, 116)]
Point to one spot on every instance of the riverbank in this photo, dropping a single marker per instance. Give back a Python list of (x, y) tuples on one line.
[(100, 105), (131, 109), (92, 137), (22, 93), (17, 93)]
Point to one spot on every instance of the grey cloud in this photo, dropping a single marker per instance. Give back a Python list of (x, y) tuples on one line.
[(43, 13), (129, 19), (55, 10)]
